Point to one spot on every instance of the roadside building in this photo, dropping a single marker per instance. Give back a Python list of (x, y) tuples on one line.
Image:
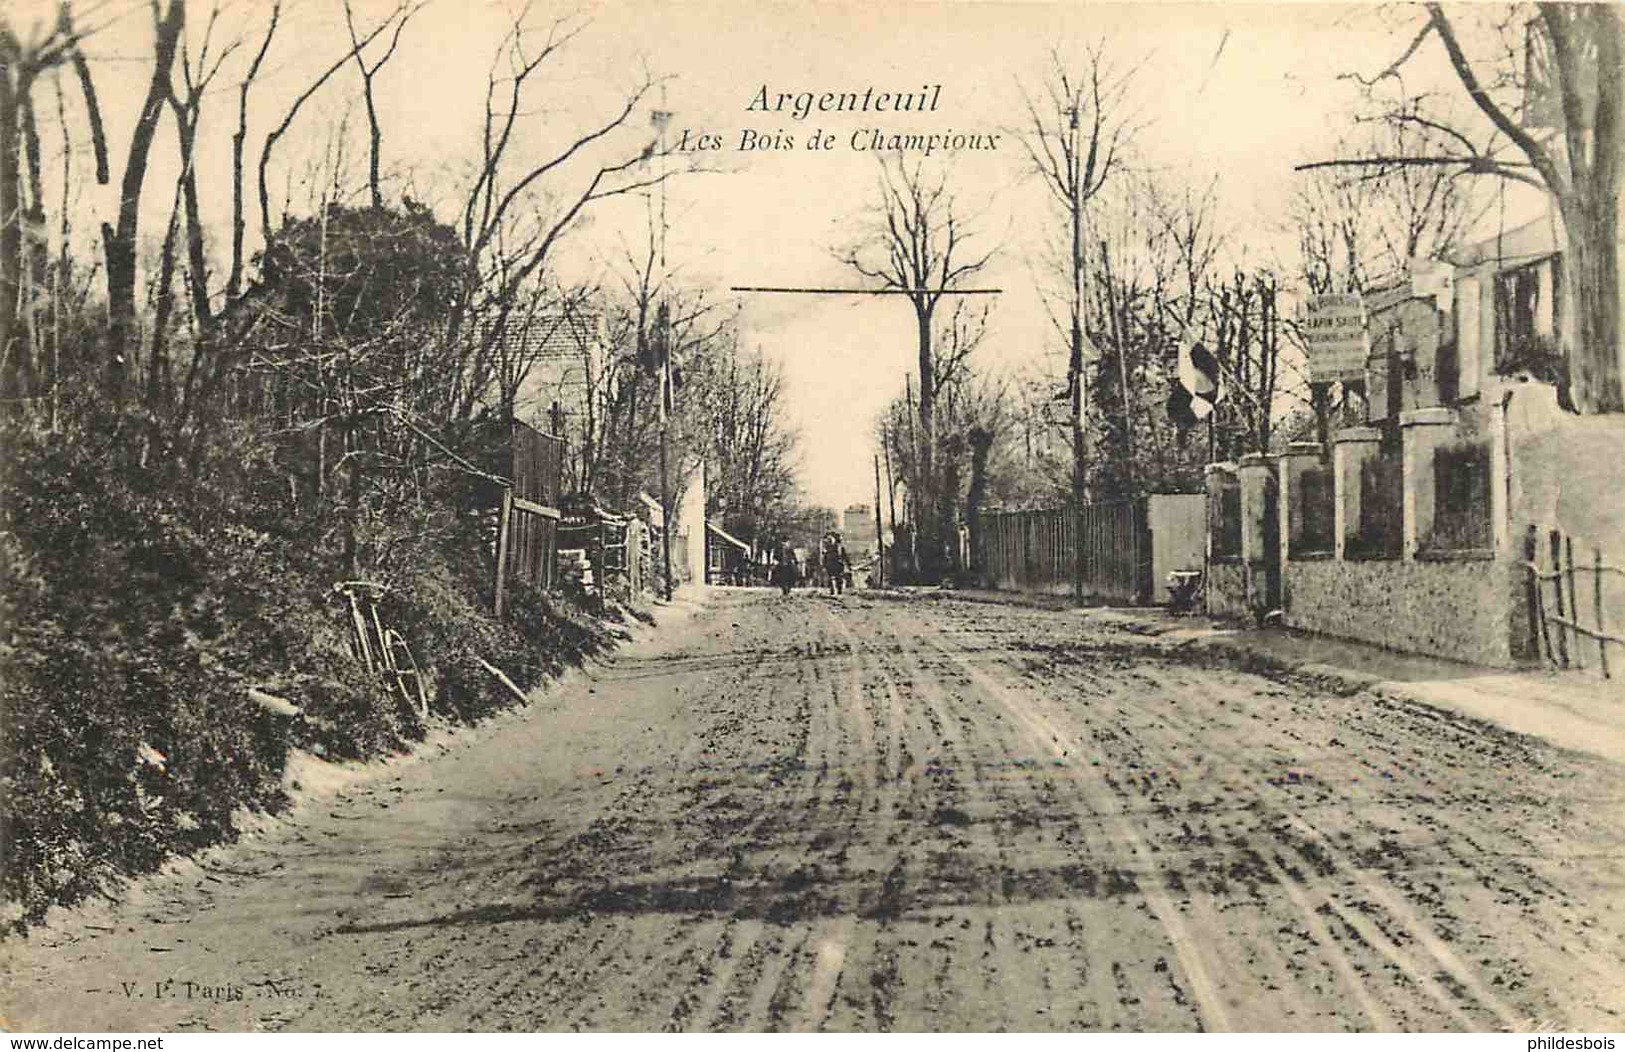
[(1416, 529), (858, 531)]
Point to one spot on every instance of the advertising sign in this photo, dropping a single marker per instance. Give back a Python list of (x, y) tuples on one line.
[(1334, 336)]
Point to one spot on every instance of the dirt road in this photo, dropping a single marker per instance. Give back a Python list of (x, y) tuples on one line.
[(870, 814)]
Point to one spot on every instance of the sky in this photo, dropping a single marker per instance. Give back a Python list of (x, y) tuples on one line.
[(1231, 93)]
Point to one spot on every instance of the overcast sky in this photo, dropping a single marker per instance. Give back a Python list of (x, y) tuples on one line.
[(1237, 92)]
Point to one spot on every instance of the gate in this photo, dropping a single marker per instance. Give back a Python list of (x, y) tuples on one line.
[(527, 526)]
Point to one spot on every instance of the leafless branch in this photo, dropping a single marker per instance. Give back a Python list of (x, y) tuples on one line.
[(281, 129)]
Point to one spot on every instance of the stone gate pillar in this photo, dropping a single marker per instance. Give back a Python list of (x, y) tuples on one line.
[(1260, 537), (1351, 448), (1423, 431)]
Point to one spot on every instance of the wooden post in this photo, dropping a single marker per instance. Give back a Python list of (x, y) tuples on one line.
[(1574, 599), (891, 493), (1556, 543), (1537, 620), (880, 536), (504, 522), (666, 514), (1596, 601)]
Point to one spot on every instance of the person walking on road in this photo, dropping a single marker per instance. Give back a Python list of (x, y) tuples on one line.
[(784, 567), (834, 560)]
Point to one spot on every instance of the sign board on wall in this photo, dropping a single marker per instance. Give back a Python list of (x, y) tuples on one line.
[(1334, 336)]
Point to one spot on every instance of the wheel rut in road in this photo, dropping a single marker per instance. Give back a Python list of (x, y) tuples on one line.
[(866, 814)]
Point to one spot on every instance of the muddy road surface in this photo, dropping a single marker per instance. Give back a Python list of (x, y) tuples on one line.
[(897, 814)]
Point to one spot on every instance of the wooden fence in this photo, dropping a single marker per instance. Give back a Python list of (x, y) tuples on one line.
[(1034, 550), (527, 527), (1562, 609)]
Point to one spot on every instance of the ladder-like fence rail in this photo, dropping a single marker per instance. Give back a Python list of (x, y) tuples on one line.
[(1557, 625)]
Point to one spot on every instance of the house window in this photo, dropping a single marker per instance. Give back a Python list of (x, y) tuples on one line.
[(1527, 319)]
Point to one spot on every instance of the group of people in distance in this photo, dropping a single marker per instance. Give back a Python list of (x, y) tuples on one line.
[(831, 558)]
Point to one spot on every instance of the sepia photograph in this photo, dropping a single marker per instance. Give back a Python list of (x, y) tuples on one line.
[(918, 516)]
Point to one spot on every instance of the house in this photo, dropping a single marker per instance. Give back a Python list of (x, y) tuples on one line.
[(727, 558), (1417, 529), (688, 541), (564, 359)]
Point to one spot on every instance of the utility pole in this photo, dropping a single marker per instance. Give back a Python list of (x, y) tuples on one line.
[(891, 488), (1075, 363), (913, 440), (663, 319), (665, 513), (880, 537)]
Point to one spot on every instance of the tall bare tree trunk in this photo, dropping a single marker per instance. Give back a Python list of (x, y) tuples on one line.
[(119, 243), (11, 234), (932, 534), (234, 282), (1595, 373), (186, 118)]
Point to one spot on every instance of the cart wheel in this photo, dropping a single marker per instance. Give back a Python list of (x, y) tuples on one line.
[(409, 685)]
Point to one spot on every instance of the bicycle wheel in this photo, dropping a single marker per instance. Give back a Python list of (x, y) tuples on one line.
[(405, 675), (360, 646)]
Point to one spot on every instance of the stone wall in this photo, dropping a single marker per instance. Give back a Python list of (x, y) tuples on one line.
[(1464, 610), (1227, 590), (1567, 471)]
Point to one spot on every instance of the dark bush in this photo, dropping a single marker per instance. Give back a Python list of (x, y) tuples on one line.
[(155, 566), (142, 595), (128, 729)]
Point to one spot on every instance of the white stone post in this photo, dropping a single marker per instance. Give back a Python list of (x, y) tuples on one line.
[(1255, 472), (1422, 431), (1351, 448)]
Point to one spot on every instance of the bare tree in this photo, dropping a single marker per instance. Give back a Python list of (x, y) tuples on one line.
[(357, 45), (507, 237), (1354, 227), (375, 139), (25, 55), (1075, 137), (196, 75), (19, 65), (1247, 321), (649, 314), (750, 481), (239, 140), (1147, 289), (1579, 50), (917, 243), (119, 241)]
